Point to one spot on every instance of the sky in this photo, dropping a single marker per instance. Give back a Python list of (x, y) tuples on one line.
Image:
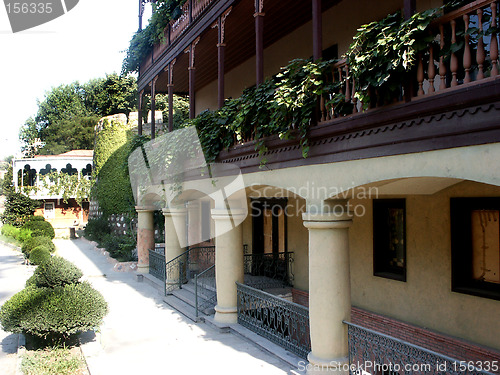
[(85, 43)]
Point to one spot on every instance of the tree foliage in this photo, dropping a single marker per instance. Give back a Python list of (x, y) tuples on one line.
[(18, 209), (66, 117)]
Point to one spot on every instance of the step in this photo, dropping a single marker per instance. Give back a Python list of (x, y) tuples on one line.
[(182, 307), (187, 296), (191, 287)]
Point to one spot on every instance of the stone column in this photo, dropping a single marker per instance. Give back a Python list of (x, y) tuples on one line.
[(145, 236), (228, 263), (175, 235), (329, 289)]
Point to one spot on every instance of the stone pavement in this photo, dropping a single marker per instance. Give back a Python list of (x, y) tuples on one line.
[(142, 335), (13, 276)]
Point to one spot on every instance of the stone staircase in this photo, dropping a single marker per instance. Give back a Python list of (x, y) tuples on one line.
[(183, 300)]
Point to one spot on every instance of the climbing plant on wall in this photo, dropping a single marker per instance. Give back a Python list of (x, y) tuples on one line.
[(112, 187)]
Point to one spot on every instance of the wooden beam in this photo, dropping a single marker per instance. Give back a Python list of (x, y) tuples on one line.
[(259, 41), (317, 21)]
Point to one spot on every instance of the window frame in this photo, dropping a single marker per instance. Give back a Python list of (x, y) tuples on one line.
[(461, 247), (52, 212), (380, 232)]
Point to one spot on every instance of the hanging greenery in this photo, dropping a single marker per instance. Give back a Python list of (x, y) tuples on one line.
[(143, 41)]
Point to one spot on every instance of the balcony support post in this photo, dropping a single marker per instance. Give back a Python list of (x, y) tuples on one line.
[(410, 8), (329, 287), (221, 46), (228, 263), (153, 107), (170, 87), (259, 41), (192, 71), (317, 21), (145, 236), (139, 113)]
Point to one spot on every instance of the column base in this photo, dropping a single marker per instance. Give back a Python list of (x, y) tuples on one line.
[(142, 268), (338, 366), (227, 315)]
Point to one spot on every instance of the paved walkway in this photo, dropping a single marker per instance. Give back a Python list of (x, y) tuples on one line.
[(13, 276), (142, 335)]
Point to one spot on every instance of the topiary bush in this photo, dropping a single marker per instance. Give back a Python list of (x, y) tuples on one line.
[(36, 218), (19, 234), (39, 255), (57, 272), (33, 242), (40, 228), (54, 314)]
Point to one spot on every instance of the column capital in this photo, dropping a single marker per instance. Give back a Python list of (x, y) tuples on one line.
[(259, 14), (145, 208), (223, 214), (174, 211), (327, 220)]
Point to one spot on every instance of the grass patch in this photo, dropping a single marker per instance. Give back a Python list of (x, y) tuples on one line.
[(50, 361)]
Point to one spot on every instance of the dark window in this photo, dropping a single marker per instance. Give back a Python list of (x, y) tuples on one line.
[(475, 249), (389, 238)]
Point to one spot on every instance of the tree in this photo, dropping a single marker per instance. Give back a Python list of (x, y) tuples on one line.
[(7, 186), (18, 208), (66, 117)]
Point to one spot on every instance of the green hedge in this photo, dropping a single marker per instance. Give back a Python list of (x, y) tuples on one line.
[(33, 242), (54, 313), (19, 234), (39, 255), (40, 228), (57, 272)]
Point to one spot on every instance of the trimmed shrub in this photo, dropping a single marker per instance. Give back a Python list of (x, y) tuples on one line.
[(24, 235), (97, 229), (39, 255), (57, 272), (18, 209), (16, 308), (36, 218), (54, 313), (33, 242), (40, 228)]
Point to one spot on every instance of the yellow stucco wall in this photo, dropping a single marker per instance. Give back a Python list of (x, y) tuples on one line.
[(337, 29), (425, 299)]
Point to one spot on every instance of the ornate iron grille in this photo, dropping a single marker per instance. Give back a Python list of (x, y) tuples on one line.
[(199, 259), (157, 265), (275, 266), (205, 290), (374, 352), (280, 321)]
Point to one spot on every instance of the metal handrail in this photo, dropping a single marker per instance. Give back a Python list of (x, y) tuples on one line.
[(413, 353), (201, 274), (182, 272)]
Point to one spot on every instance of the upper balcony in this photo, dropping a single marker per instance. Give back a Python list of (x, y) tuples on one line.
[(449, 99)]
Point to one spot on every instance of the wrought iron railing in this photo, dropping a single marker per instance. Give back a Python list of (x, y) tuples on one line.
[(185, 266), (276, 267), (375, 353), (157, 264), (280, 321), (205, 290)]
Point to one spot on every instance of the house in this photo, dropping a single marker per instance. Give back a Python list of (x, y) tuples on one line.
[(60, 207), (387, 234)]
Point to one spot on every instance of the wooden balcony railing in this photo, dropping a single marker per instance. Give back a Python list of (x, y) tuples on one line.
[(191, 10), (464, 50)]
